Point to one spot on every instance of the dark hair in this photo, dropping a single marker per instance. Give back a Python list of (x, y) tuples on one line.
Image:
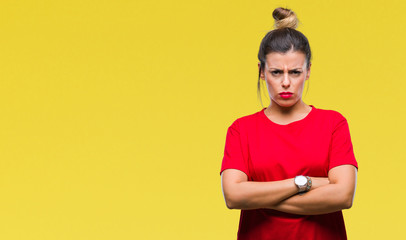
[(282, 39)]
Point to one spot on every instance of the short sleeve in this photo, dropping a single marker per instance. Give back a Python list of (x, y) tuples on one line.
[(341, 149), (233, 151)]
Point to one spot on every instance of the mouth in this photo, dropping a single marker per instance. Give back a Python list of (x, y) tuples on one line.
[(285, 94)]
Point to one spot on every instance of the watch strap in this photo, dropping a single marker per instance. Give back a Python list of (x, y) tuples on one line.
[(309, 183)]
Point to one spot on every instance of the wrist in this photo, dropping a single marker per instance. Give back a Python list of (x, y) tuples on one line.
[(319, 182)]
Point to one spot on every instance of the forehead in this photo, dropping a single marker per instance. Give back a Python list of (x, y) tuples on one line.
[(291, 59)]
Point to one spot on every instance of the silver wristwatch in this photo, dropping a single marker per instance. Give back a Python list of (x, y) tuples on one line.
[(303, 183)]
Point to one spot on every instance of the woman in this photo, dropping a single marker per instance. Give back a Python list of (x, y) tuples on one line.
[(290, 167)]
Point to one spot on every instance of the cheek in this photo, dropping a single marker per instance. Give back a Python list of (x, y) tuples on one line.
[(270, 85), (301, 86)]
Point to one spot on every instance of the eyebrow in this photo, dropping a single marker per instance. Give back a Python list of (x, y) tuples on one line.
[(293, 69)]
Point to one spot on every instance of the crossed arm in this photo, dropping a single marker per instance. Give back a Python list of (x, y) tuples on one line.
[(326, 195)]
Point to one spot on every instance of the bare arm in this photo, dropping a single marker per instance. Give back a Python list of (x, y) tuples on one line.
[(239, 193), (337, 195)]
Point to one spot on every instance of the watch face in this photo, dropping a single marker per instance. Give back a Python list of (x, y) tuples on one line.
[(301, 180)]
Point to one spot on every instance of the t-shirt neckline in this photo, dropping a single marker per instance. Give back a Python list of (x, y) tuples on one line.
[(291, 123)]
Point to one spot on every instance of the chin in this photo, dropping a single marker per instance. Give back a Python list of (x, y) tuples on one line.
[(286, 103)]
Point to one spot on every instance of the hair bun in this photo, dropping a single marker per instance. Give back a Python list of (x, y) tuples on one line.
[(284, 18)]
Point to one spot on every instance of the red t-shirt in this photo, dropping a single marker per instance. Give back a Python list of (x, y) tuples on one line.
[(267, 151)]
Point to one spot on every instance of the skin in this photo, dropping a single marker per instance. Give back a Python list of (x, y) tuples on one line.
[(287, 72)]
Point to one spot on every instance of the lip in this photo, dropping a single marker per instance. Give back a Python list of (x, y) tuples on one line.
[(285, 94)]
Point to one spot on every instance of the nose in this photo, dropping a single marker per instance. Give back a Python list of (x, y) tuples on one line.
[(285, 81)]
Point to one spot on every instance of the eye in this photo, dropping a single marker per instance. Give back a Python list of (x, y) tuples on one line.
[(276, 72), (296, 72)]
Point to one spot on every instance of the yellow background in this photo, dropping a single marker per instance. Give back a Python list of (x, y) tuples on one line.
[(114, 113)]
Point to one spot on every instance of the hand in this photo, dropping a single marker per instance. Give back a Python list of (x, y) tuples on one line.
[(318, 182)]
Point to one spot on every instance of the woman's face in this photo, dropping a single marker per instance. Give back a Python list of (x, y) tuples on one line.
[(285, 75)]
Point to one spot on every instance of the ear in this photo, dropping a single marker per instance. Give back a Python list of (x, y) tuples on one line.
[(308, 72), (262, 75)]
